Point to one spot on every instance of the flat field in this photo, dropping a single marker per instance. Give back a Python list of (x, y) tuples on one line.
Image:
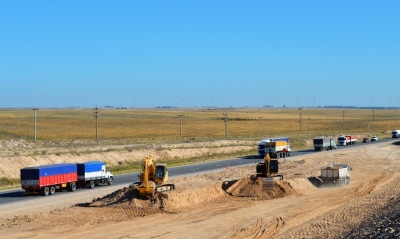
[(141, 125)]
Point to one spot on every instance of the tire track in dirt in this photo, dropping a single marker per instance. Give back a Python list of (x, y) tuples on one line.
[(351, 214)]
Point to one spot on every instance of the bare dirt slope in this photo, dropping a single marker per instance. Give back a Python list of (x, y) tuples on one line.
[(226, 204), (17, 154)]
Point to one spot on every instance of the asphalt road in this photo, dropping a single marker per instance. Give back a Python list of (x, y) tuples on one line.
[(16, 195)]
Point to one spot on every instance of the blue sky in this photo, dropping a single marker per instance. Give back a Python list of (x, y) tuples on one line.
[(199, 53)]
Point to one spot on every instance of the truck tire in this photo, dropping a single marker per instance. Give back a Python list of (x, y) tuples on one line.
[(45, 191), (72, 187), (110, 181), (52, 190), (91, 184)]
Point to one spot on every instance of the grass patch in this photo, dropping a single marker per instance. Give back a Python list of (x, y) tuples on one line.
[(8, 183)]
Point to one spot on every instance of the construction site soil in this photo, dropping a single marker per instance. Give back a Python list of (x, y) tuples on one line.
[(228, 204)]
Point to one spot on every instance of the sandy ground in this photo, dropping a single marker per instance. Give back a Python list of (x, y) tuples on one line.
[(223, 204)]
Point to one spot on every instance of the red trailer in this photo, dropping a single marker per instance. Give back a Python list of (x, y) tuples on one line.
[(46, 179), (351, 139)]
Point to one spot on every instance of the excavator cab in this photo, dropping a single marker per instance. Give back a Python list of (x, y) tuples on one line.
[(161, 173)]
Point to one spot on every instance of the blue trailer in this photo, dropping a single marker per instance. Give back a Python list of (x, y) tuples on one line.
[(93, 173)]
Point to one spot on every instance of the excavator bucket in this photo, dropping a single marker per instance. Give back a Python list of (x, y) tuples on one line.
[(147, 192)]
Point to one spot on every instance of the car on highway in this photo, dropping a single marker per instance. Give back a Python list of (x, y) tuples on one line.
[(365, 140), (374, 138)]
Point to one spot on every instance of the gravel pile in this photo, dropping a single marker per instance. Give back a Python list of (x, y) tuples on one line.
[(384, 225)]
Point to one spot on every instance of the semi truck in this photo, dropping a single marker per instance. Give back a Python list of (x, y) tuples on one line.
[(347, 139), (396, 134), (46, 179), (93, 173), (324, 143), (337, 173), (277, 149), (261, 144)]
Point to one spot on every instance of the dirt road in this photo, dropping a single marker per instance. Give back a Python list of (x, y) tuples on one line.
[(226, 204)]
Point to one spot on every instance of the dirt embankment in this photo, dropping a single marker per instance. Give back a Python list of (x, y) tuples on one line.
[(17, 154), (229, 204)]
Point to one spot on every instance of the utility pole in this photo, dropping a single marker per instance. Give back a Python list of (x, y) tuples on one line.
[(301, 117), (373, 115), (368, 128), (96, 115), (226, 124), (180, 131), (34, 127), (343, 122)]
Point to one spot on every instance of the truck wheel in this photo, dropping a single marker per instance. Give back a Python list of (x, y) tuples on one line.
[(72, 187), (52, 190), (110, 181), (91, 184), (45, 191)]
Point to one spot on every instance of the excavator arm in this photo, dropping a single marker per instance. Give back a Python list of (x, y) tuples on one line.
[(152, 178)]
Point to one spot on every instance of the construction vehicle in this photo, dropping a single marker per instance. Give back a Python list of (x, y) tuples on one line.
[(336, 173), (268, 169), (152, 178)]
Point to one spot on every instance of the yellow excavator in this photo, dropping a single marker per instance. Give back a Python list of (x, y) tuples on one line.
[(153, 177), (268, 169)]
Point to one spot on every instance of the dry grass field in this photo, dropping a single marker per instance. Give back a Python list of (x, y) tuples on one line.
[(143, 125)]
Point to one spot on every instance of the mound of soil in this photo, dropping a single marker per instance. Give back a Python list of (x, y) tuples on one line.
[(174, 201), (247, 187)]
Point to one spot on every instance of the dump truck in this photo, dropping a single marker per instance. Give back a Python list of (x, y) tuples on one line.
[(153, 177), (336, 173), (46, 179), (93, 173), (277, 149), (261, 145), (324, 143), (347, 139)]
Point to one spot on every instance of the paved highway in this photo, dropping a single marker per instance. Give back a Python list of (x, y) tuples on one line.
[(16, 195)]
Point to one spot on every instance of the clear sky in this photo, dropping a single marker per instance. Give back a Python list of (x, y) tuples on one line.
[(199, 53)]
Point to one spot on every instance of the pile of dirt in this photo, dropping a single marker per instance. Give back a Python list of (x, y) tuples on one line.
[(125, 196), (182, 198), (247, 187)]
